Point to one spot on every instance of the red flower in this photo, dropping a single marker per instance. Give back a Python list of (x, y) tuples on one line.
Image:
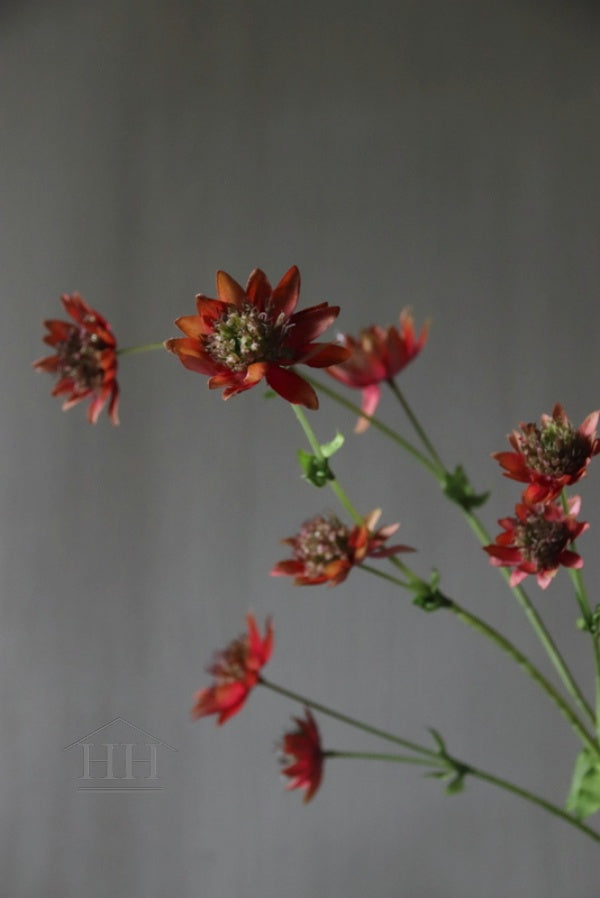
[(325, 550), (236, 670), (246, 335), (378, 354), (85, 360), (536, 540), (551, 455), (303, 755)]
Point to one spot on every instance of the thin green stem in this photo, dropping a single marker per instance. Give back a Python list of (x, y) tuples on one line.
[(147, 347), (419, 429), (508, 647), (503, 643), (383, 575), (538, 626), (333, 481), (533, 799), (378, 756), (351, 721), (432, 759), (379, 425), (586, 611)]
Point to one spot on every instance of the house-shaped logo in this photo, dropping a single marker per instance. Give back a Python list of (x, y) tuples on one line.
[(119, 757)]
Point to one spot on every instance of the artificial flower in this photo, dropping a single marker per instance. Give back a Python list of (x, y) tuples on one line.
[(85, 360), (303, 756), (535, 540), (325, 550), (550, 455), (247, 334), (378, 354), (236, 670)]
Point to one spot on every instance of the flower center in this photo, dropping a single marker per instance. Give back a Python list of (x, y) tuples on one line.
[(244, 336), (80, 358), (555, 449), (542, 541), (321, 541), (231, 664)]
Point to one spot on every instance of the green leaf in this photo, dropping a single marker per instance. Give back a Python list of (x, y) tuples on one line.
[(330, 448), (584, 795), (316, 471), (427, 595), (458, 488)]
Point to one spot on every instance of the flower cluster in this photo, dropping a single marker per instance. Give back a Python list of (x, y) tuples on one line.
[(325, 550), (85, 359), (378, 354), (302, 756), (236, 670), (547, 457), (249, 334)]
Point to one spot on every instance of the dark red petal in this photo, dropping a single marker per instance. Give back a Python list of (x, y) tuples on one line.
[(291, 387), (258, 289), (322, 355), (310, 323)]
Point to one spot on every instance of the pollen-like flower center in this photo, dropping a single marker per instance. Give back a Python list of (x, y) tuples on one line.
[(541, 541), (555, 449), (246, 335), (231, 665), (321, 541), (80, 358)]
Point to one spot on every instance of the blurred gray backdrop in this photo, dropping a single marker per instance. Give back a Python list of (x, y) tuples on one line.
[(442, 155)]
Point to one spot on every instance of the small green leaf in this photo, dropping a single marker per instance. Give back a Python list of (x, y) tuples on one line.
[(427, 595), (584, 795), (437, 738), (314, 470), (458, 488), (333, 446)]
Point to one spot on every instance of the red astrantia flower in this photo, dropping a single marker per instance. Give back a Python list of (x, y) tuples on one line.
[(303, 756), (550, 455), (377, 355), (236, 670), (536, 540), (85, 360), (248, 334), (325, 550)]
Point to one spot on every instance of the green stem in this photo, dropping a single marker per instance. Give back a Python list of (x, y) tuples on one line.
[(379, 425), (147, 347), (486, 630), (383, 575), (419, 430), (507, 646), (378, 756), (333, 482), (538, 626), (533, 799), (586, 611), (430, 758), (351, 721)]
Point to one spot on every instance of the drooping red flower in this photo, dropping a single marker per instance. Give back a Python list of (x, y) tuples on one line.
[(535, 540), (551, 455), (377, 355), (325, 550), (246, 335), (236, 670), (85, 360), (303, 756)]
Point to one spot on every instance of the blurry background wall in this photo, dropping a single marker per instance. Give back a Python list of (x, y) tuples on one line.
[(432, 154)]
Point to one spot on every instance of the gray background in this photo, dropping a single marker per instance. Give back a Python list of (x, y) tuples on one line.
[(437, 154)]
